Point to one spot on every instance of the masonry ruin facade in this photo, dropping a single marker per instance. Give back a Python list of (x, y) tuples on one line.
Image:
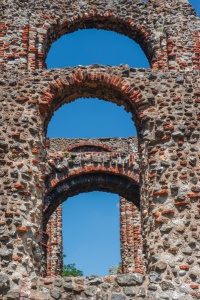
[(164, 101), (83, 165)]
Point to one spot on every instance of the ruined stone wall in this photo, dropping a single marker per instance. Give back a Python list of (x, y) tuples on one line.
[(168, 123), (129, 145), (65, 166), (164, 102), (167, 32), (62, 167)]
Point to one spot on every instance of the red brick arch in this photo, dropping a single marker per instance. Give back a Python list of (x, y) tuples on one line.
[(86, 180), (65, 175), (70, 174), (96, 146), (90, 82), (164, 48), (58, 177), (110, 20)]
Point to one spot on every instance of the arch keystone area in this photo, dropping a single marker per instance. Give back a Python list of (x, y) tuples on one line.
[(92, 81), (32, 37), (88, 146), (66, 169)]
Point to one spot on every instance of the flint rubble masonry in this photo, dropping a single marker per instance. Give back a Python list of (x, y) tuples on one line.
[(164, 102)]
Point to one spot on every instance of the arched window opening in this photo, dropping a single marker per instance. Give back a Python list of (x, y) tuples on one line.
[(91, 118), (91, 236), (92, 225), (88, 120), (96, 177), (92, 46), (107, 121)]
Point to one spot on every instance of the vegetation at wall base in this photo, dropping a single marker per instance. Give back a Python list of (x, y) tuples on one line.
[(71, 270)]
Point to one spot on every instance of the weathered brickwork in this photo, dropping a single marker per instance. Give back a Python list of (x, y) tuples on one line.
[(131, 238), (164, 102), (109, 170), (129, 145), (78, 167), (54, 253), (164, 31), (169, 163)]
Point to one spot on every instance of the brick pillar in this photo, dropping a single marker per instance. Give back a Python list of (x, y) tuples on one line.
[(54, 246), (131, 238)]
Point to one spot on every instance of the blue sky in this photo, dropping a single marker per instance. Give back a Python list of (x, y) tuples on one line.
[(91, 220)]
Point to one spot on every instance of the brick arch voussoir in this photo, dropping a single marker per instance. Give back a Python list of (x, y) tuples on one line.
[(80, 145), (58, 177), (90, 179), (111, 20), (46, 24), (68, 88)]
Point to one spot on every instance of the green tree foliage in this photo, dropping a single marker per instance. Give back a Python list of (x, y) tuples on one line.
[(71, 270)]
